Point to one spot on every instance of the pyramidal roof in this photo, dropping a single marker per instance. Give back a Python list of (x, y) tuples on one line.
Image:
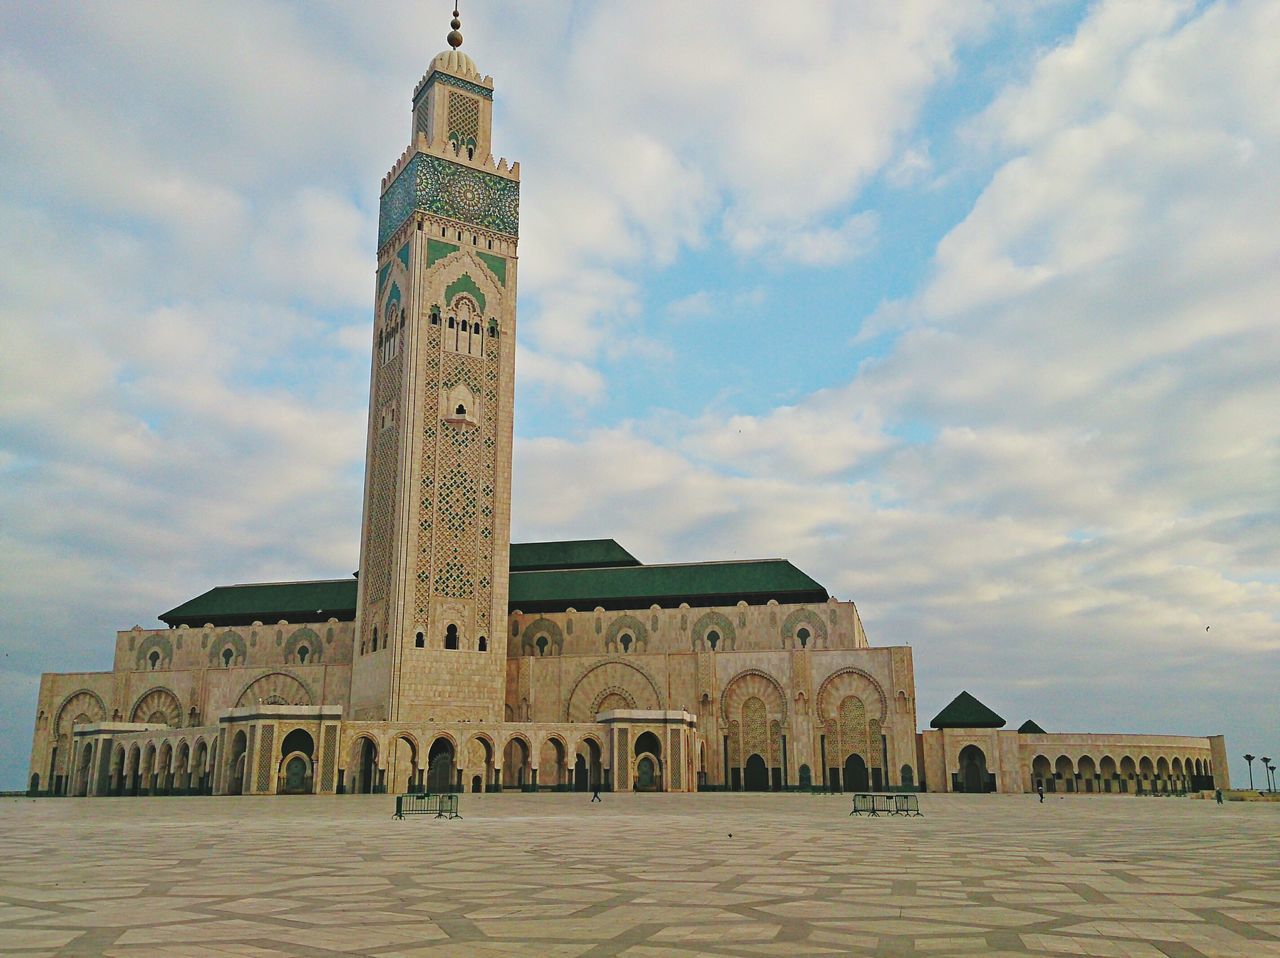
[(966, 712), (1030, 728)]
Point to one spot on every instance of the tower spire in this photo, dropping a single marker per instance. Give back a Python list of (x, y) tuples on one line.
[(455, 38)]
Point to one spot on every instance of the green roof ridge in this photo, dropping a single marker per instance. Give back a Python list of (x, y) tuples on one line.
[(1030, 728), (965, 711)]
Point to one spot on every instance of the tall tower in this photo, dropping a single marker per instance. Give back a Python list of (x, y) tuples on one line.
[(432, 607)]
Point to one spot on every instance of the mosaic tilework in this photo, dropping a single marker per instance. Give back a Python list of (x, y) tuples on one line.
[(439, 186), (448, 79), (639, 876)]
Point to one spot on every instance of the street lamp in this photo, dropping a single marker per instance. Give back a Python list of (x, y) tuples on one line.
[(1249, 758), (1266, 766)]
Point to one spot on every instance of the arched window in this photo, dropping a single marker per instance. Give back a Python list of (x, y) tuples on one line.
[(625, 641), (542, 645), (451, 637), (452, 322), (303, 652), (483, 644), (460, 410), (374, 646), (154, 659), (803, 636), (420, 641), (227, 655), (713, 639)]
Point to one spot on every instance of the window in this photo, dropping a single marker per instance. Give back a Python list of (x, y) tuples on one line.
[(452, 322), (483, 644), (227, 655), (803, 636), (374, 646), (154, 659), (625, 641), (303, 652), (420, 641), (713, 638), (542, 645), (451, 637)]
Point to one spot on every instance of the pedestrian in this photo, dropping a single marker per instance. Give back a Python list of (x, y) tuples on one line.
[(595, 792), (1217, 795), (1040, 792)]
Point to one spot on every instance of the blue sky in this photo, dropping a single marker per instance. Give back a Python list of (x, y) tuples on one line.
[(967, 308)]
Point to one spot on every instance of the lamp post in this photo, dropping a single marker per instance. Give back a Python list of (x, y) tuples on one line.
[(1249, 758), (1266, 766)]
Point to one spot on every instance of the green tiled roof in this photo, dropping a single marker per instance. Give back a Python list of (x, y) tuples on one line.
[(966, 712), (573, 554), (1030, 728), (638, 587), (558, 575), (268, 602)]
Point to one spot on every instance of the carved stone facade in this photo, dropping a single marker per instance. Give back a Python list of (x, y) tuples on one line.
[(740, 676)]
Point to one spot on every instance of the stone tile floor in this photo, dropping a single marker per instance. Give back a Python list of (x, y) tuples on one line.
[(641, 876)]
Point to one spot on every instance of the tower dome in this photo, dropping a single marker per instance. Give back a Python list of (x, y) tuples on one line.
[(455, 62)]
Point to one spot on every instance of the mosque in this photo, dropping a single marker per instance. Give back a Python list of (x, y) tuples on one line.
[(455, 660)]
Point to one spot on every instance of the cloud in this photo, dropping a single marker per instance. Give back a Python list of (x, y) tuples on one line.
[(1058, 466)]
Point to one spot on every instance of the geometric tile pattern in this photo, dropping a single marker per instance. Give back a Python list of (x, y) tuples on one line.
[(642, 876), (439, 186)]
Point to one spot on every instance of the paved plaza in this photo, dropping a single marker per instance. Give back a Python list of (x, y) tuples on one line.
[(642, 876)]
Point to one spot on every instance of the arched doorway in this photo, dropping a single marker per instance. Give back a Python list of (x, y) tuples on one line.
[(855, 774), (806, 777), (86, 766), (586, 768), (235, 785), (297, 753), (908, 777), (367, 776), (1042, 773), (755, 775), (646, 775), (552, 767), (973, 770), (440, 765), (649, 755), (515, 764)]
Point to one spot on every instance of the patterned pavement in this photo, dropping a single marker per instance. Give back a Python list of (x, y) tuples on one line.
[(641, 876)]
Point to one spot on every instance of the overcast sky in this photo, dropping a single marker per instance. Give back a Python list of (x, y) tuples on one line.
[(969, 309)]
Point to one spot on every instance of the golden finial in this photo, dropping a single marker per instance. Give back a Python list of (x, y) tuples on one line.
[(455, 38)]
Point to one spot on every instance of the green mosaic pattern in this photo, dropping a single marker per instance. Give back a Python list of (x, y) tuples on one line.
[(497, 266), (404, 255), (433, 185), (438, 250), (449, 79), (464, 284)]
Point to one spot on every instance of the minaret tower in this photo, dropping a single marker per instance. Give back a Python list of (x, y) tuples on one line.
[(432, 607)]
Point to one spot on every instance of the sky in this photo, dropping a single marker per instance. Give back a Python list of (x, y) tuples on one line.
[(967, 308)]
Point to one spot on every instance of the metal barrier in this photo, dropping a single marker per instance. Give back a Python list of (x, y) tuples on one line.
[(442, 806), (875, 804)]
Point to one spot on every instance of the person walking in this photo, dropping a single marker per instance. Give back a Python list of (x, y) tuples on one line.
[(1040, 792), (1217, 795), (595, 793)]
